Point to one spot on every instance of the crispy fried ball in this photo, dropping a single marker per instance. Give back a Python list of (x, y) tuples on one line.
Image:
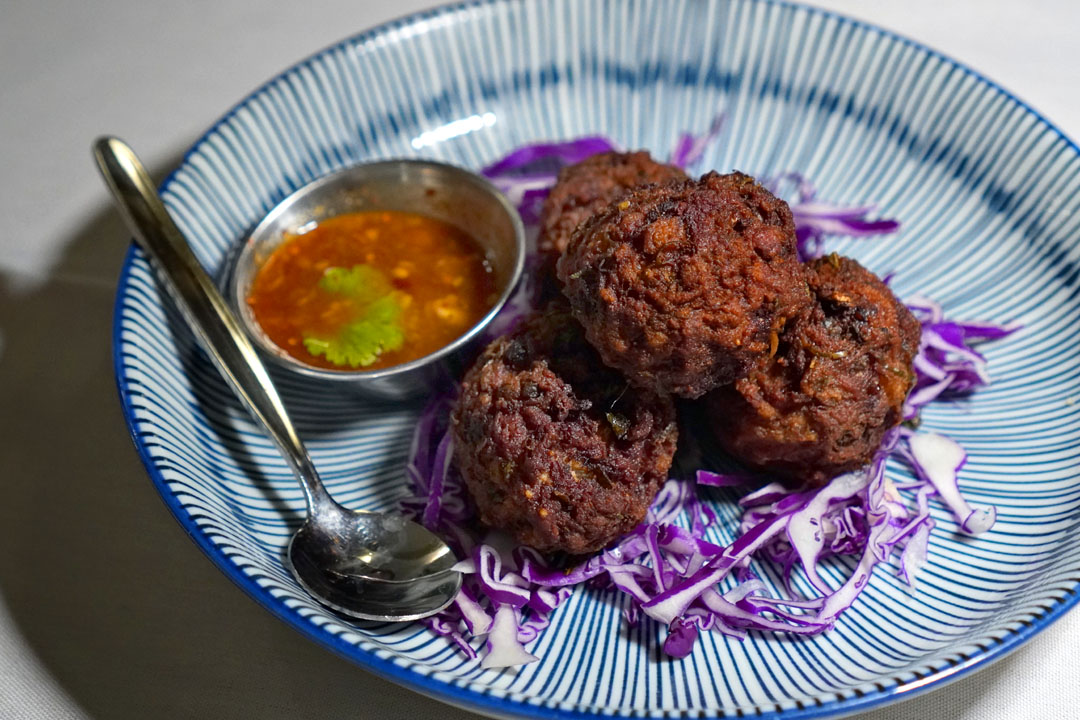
[(588, 187), (837, 382), (681, 286), (554, 448)]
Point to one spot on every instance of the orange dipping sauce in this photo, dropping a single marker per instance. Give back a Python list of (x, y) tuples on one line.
[(370, 290)]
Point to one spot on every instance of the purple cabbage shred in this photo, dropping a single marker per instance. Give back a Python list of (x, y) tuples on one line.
[(677, 568), (815, 220)]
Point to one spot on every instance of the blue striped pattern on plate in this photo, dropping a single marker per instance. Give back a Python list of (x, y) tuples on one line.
[(989, 195)]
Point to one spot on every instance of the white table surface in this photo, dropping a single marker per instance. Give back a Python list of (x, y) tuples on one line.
[(106, 609)]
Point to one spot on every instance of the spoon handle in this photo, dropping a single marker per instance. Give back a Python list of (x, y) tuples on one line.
[(202, 306)]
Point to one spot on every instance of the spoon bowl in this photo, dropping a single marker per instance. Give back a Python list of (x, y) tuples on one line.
[(373, 566), (413, 573)]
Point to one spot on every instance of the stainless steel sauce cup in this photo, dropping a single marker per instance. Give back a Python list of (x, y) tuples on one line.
[(434, 189)]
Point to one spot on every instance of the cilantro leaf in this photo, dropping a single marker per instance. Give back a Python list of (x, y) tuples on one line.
[(376, 329)]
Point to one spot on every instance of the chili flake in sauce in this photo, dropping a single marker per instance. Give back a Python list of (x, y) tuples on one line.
[(371, 290)]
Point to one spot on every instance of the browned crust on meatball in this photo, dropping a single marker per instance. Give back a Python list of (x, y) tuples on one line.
[(681, 286), (554, 448), (587, 187), (836, 384)]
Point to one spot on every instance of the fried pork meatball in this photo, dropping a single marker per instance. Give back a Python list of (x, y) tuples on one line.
[(554, 448), (588, 187), (837, 382), (681, 286)]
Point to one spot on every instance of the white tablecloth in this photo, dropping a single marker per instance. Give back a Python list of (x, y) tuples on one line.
[(106, 609)]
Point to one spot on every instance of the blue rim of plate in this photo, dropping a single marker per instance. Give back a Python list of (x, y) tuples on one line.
[(485, 703)]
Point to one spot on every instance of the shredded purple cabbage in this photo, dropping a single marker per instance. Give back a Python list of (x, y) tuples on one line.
[(689, 149), (713, 479), (672, 574), (947, 365), (815, 220), (525, 175)]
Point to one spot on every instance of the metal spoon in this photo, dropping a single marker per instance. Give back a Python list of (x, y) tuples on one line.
[(366, 565)]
